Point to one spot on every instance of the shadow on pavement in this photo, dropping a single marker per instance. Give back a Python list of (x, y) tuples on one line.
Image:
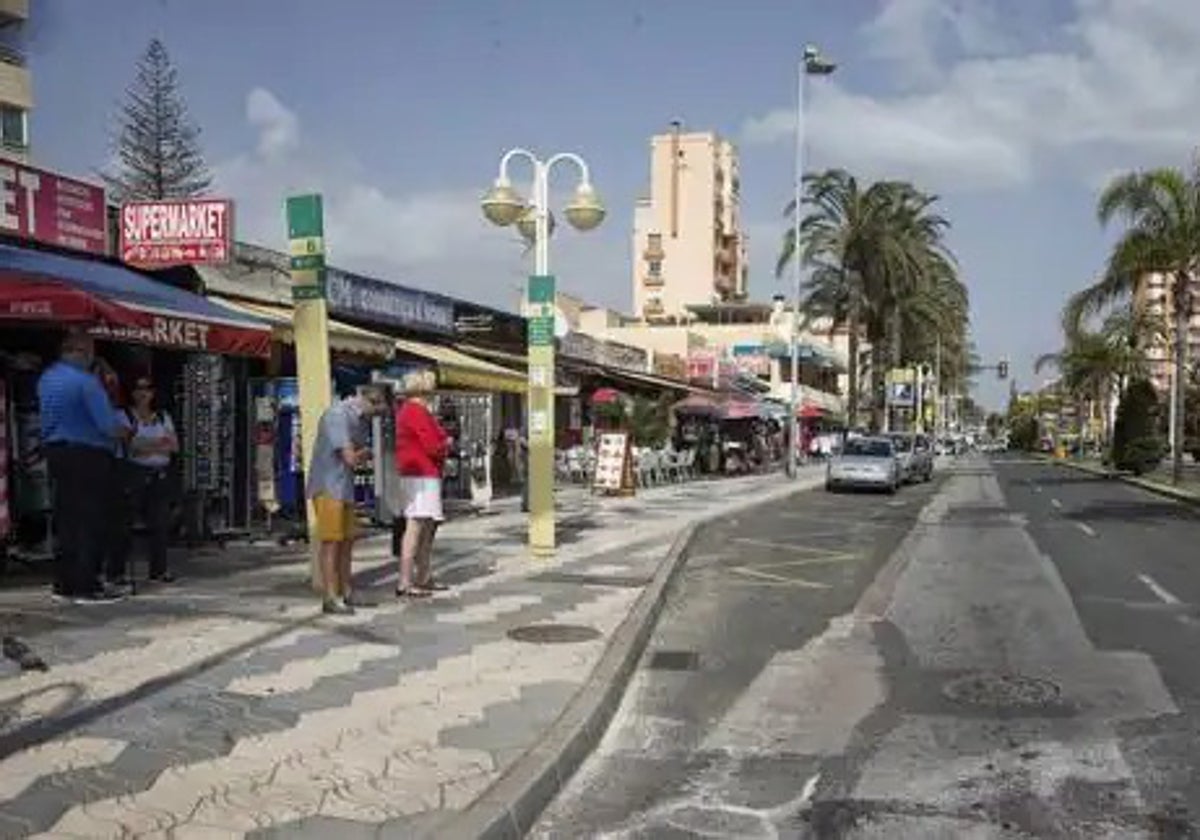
[(1132, 512)]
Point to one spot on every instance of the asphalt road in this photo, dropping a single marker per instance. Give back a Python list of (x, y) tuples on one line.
[(723, 660), (1023, 667)]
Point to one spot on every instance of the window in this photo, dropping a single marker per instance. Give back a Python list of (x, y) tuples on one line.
[(655, 268), (13, 127), (654, 242)]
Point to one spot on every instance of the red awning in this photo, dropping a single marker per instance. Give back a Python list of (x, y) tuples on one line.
[(32, 297), (810, 412), (605, 395)]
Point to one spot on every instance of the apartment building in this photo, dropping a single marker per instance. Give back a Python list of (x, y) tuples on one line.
[(688, 245), (1154, 292), (16, 87)]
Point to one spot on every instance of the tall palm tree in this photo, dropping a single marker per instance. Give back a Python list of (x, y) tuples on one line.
[(1160, 209), (876, 253)]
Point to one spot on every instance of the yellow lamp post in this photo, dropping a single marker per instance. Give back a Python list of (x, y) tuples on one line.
[(502, 205)]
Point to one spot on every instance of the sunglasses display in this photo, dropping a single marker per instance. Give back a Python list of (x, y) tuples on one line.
[(205, 403)]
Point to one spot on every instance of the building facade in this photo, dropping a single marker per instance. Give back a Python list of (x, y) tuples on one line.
[(688, 244), (16, 86), (1154, 293)]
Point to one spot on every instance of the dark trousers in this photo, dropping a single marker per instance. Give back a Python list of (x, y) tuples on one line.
[(81, 476), (119, 520), (151, 499)]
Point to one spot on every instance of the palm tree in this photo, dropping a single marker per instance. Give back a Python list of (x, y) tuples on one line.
[(1161, 212), (878, 266)]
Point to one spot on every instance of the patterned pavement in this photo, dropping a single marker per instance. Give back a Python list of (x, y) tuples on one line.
[(229, 707)]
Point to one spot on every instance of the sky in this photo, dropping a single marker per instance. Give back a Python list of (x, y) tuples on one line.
[(1015, 112)]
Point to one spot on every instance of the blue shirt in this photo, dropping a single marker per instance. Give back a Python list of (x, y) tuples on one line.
[(75, 408), (341, 427)]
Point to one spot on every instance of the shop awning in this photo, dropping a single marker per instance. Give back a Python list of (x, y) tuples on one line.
[(345, 338), (121, 305), (458, 369)]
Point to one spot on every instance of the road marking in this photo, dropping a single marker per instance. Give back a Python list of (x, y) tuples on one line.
[(1155, 587), (1037, 488), (806, 795), (1086, 528), (1056, 504), (768, 579)]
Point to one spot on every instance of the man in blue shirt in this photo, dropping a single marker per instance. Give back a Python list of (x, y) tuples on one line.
[(80, 431)]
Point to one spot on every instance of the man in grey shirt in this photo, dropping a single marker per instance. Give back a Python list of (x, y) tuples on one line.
[(340, 448)]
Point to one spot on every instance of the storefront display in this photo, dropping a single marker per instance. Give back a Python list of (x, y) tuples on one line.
[(205, 406)]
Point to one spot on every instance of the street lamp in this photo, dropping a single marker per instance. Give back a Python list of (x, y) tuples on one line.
[(811, 64), (504, 206)]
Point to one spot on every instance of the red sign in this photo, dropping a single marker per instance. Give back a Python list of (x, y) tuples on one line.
[(40, 205), (177, 232)]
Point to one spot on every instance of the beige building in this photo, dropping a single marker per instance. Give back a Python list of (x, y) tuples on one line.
[(1154, 292), (16, 88), (688, 244)]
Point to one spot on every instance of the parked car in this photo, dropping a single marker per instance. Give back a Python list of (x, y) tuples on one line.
[(866, 462)]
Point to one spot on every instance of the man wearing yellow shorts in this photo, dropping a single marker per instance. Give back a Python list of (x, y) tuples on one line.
[(340, 448)]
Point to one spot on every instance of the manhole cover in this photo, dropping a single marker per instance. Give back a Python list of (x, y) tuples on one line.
[(674, 660), (554, 634), (1000, 690)]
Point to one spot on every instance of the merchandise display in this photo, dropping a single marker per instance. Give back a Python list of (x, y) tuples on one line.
[(205, 406)]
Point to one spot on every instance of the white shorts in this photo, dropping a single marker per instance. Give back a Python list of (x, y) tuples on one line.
[(421, 498)]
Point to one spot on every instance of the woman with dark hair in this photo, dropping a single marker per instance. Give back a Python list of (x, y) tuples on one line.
[(152, 442)]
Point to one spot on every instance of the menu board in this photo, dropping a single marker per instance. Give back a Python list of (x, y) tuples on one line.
[(614, 464)]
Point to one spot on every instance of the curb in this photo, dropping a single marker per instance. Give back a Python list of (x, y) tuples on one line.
[(509, 808), (1167, 491)]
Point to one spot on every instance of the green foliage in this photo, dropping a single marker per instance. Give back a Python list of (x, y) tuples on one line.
[(649, 422), (1137, 445), (611, 415), (1023, 433), (155, 141)]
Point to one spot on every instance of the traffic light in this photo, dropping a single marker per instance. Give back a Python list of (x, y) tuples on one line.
[(1002, 370)]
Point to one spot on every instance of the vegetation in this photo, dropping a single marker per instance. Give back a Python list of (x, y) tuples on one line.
[(155, 142), (880, 269), (1137, 446), (1160, 211)]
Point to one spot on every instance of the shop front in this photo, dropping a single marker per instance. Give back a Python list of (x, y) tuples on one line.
[(195, 351)]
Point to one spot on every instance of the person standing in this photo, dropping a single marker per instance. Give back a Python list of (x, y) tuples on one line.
[(421, 448), (152, 442), (340, 448), (80, 432)]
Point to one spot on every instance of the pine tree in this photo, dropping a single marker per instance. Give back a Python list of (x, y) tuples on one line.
[(155, 140)]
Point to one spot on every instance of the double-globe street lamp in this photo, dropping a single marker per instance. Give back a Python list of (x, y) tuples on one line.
[(811, 64), (504, 206)]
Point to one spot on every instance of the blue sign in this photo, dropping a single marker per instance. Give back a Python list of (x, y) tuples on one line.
[(368, 299)]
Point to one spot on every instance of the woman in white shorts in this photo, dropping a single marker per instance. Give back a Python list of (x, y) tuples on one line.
[(421, 448)]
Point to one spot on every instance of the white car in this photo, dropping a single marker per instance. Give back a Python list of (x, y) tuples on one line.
[(868, 462)]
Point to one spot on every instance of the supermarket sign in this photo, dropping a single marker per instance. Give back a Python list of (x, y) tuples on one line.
[(194, 231)]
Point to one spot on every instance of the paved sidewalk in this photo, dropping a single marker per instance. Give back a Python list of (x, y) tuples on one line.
[(230, 707)]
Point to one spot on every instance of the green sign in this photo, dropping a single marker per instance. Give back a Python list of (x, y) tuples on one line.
[(307, 262), (308, 292), (305, 217), (541, 310)]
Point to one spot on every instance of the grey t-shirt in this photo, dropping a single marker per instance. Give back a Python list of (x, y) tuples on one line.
[(341, 426)]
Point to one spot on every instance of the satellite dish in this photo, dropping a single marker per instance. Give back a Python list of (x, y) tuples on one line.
[(561, 326)]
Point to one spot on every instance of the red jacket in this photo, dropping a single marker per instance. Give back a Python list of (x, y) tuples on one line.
[(421, 442)]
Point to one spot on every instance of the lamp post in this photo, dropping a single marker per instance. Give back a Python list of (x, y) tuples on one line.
[(812, 64), (502, 205)]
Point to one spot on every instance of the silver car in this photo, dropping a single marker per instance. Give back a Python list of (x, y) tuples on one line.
[(867, 462)]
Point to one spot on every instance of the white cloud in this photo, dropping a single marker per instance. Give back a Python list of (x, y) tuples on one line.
[(1122, 90), (436, 240)]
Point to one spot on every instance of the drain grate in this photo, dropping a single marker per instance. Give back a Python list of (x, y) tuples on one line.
[(674, 660), (554, 634), (1002, 691)]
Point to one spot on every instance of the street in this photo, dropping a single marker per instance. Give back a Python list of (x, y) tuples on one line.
[(1020, 667)]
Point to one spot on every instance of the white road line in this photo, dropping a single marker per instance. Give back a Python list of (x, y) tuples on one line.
[(1086, 528), (1056, 503), (806, 795), (1155, 587), (1037, 488)]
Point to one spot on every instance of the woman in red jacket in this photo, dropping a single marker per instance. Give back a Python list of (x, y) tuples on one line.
[(421, 448)]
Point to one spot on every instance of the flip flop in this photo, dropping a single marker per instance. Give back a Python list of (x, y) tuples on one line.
[(432, 586)]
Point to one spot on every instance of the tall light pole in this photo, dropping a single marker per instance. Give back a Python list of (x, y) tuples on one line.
[(502, 205), (811, 64)]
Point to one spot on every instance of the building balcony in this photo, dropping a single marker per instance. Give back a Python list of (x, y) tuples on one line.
[(653, 281), (13, 11), (15, 86), (654, 254)]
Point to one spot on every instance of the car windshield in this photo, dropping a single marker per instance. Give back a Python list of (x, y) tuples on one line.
[(903, 443), (867, 449)]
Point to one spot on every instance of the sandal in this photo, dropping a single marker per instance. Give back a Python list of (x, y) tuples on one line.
[(432, 586), (412, 592)]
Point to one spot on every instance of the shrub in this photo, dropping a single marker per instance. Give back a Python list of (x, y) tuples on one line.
[(1023, 433), (1136, 444)]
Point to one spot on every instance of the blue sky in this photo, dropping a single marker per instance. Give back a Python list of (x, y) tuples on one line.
[(1014, 112)]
